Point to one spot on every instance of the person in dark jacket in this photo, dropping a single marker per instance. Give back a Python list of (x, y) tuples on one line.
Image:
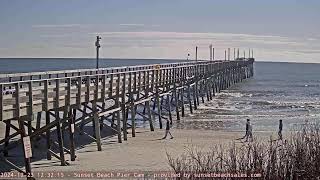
[(280, 129), (167, 130), (248, 134)]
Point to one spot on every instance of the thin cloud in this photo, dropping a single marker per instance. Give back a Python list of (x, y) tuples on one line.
[(175, 44), (57, 25), (183, 34), (132, 25), (216, 37), (129, 25)]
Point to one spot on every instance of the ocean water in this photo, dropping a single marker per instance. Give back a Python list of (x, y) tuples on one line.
[(14, 65), (287, 91)]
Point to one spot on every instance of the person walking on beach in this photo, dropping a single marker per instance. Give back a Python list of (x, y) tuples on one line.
[(248, 130), (280, 129), (167, 130)]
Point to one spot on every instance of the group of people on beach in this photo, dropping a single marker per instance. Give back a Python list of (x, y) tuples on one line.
[(248, 135)]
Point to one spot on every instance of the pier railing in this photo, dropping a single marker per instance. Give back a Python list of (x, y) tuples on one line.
[(30, 96), (80, 72), (105, 97)]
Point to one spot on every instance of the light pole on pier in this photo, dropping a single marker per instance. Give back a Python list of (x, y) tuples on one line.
[(210, 49), (225, 55), (98, 47), (196, 53), (212, 53), (238, 54)]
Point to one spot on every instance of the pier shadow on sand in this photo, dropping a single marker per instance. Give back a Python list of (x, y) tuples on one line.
[(39, 150)]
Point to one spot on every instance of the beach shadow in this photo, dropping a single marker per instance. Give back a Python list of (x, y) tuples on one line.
[(142, 131), (159, 139), (39, 150)]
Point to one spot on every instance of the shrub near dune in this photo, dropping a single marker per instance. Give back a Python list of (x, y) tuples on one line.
[(297, 157)]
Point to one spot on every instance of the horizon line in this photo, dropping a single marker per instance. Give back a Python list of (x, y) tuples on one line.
[(170, 59)]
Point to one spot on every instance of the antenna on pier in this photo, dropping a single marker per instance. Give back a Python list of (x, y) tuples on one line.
[(225, 55), (98, 47), (228, 54), (249, 53), (196, 53), (234, 53)]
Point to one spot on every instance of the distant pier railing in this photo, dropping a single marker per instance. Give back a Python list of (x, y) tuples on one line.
[(12, 77), (34, 105)]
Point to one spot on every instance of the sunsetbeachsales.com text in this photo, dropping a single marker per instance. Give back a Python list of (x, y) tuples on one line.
[(124, 175)]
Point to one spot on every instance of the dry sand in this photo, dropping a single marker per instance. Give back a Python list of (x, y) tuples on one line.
[(147, 151)]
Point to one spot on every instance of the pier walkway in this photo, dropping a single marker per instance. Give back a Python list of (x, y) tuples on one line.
[(56, 106)]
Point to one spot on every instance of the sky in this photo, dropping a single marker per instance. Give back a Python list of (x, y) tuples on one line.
[(286, 30)]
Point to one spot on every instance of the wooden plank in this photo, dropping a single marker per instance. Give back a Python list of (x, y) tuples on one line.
[(88, 79), (109, 111), (123, 107), (117, 104), (17, 99), (1, 102), (48, 135), (58, 125), (158, 97), (79, 87), (71, 118), (176, 99), (111, 85), (189, 99), (7, 138), (27, 159), (95, 115), (148, 103), (30, 108), (45, 97), (103, 91)]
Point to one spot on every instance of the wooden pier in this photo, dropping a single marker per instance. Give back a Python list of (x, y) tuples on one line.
[(57, 105)]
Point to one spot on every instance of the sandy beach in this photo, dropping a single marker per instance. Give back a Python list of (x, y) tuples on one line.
[(145, 152)]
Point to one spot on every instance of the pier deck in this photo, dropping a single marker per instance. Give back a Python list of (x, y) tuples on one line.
[(32, 105)]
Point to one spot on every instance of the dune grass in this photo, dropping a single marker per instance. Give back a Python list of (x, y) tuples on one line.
[(297, 157)]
